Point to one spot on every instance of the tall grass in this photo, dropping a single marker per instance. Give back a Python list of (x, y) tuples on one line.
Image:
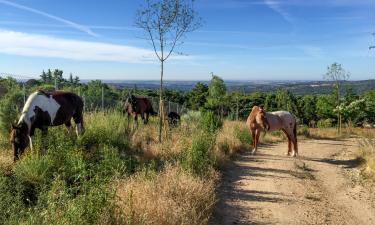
[(66, 180), (172, 197), (119, 174), (367, 154)]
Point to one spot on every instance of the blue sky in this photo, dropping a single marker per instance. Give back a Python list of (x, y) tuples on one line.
[(240, 39)]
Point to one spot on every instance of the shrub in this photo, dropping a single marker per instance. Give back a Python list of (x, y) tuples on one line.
[(197, 158), (325, 123), (9, 108), (243, 134), (210, 122), (304, 131)]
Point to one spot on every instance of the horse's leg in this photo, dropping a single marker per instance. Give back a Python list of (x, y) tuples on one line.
[(135, 121), (289, 142), (78, 120), (147, 116), (68, 126), (295, 145), (257, 134), (253, 139), (143, 117)]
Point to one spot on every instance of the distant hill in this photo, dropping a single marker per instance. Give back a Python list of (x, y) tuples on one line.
[(297, 87)]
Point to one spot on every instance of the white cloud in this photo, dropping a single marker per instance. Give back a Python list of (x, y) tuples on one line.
[(59, 19), (25, 44), (276, 6)]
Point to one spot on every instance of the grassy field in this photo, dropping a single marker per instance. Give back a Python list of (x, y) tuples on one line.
[(117, 175), (114, 174)]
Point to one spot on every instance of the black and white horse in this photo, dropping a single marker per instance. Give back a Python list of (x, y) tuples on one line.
[(43, 110)]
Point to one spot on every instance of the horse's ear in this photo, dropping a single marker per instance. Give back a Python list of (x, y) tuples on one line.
[(14, 126)]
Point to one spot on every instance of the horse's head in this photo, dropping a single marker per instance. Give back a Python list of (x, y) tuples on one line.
[(19, 138), (261, 119)]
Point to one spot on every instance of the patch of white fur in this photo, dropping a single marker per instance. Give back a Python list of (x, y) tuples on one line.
[(79, 129), (47, 104), (287, 120)]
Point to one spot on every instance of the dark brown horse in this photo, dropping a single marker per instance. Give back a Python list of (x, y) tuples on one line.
[(138, 106), (43, 110)]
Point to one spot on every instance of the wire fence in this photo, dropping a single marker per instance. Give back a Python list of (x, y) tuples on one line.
[(100, 98)]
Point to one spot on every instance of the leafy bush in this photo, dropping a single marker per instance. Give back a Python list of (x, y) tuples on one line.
[(210, 122), (304, 131), (9, 107), (243, 134), (197, 158), (325, 123)]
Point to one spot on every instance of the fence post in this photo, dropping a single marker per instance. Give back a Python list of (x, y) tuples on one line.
[(24, 93), (102, 97), (56, 88), (84, 102)]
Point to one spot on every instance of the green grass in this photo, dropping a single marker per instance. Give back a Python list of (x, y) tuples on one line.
[(70, 180), (66, 180)]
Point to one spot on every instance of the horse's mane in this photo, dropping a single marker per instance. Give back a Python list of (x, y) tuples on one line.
[(40, 91), (254, 111)]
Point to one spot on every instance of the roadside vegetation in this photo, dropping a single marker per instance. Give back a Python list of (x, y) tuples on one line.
[(118, 174)]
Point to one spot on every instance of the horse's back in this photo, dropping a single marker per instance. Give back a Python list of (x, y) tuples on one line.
[(280, 119)]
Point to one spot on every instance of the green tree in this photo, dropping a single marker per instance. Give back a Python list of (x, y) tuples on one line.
[(285, 100), (43, 77), (49, 76), (76, 80), (307, 105), (324, 107), (71, 80), (216, 95), (165, 23), (369, 106), (198, 96), (58, 77), (270, 103), (337, 75)]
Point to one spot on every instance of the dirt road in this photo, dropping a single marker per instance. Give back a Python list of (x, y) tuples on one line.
[(319, 187)]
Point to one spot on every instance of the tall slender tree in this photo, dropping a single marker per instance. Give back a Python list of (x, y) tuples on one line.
[(337, 75), (165, 23)]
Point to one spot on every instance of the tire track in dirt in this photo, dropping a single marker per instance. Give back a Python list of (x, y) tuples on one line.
[(271, 188)]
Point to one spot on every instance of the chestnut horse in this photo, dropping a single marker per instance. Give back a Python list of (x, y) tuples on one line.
[(259, 120), (43, 110), (138, 106)]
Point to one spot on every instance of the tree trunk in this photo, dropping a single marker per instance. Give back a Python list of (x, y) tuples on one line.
[(161, 111)]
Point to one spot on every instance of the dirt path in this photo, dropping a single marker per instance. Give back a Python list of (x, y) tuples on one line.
[(316, 188)]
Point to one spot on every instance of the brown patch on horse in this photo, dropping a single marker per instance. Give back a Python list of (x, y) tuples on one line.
[(71, 105)]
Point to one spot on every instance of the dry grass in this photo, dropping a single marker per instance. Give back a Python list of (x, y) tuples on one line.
[(227, 144), (332, 134), (175, 141), (5, 153), (367, 155), (170, 197)]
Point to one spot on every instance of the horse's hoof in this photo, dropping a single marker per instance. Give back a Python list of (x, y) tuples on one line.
[(253, 152)]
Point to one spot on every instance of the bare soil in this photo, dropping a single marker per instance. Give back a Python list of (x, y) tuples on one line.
[(321, 186)]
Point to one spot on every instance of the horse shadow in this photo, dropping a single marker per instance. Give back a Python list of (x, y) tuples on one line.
[(347, 164)]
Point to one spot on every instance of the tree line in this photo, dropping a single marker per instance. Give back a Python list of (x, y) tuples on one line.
[(318, 110)]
